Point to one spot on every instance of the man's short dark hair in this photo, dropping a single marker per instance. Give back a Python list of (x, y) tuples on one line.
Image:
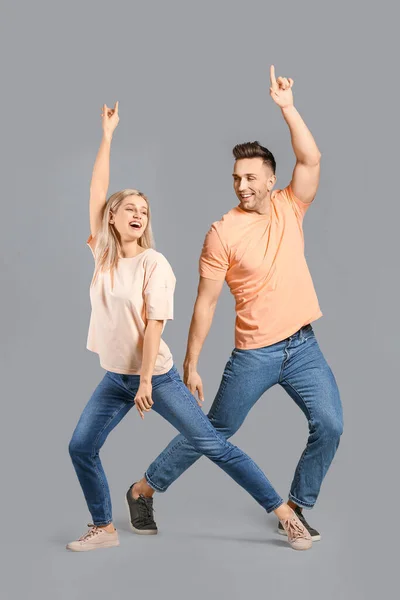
[(255, 150)]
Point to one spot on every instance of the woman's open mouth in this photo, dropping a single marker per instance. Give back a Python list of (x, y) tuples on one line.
[(135, 224)]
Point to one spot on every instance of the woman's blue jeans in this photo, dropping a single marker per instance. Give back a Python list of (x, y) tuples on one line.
[(111, 401)]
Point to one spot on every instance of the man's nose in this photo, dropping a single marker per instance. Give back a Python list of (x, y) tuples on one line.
[(242, 185)]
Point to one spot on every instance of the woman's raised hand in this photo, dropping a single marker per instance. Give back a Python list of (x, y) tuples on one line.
[(110, 119)]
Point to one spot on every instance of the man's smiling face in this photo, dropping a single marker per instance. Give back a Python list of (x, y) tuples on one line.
[(253, 180)]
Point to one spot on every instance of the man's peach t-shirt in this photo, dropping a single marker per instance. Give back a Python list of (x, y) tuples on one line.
[(262, 259), (143, 289)]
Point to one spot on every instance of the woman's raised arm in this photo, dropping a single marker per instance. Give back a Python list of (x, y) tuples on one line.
[(101, 169)]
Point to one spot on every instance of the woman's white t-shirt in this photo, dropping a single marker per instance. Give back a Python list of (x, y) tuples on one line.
[(143, 289)]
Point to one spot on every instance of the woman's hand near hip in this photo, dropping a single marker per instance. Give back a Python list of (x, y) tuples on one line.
[(143, 399)]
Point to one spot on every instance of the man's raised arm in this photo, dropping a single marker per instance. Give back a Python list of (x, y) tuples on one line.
[(306, 172)]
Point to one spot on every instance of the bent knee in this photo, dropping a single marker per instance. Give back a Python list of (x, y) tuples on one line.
[(331, 428), (227, 430), (216, 450), (79, 446)]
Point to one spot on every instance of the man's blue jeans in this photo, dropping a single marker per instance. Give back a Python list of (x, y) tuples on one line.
[(299, 366), (111, 401)]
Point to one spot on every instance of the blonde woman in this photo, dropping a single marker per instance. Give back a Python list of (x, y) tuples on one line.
[(132, 298)]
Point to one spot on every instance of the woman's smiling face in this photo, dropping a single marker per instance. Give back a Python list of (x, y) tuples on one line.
[(131, 217)]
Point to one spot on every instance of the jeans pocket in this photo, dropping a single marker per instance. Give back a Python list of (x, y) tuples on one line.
[(173, 373), (131, 384), (116, 377), (228, 370)]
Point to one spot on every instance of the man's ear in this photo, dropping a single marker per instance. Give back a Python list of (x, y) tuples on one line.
[(271, 182)]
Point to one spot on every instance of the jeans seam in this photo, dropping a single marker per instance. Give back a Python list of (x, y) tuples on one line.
[(215, 405), (102, 524), (300, 502), (161, 462), (93, 455), (190, 398), (310, 418), (194, 407), (108, 374), (277, 505), (122, 386), (283, 363), (219, 438), (221, 390), (153, 485)]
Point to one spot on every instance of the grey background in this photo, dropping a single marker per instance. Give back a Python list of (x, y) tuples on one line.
[(192, 80)]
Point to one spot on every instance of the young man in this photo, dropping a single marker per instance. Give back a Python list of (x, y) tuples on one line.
[(258, 249)]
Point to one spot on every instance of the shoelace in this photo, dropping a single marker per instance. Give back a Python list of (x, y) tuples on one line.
[(145, 508), (94, 530), (293, 528)]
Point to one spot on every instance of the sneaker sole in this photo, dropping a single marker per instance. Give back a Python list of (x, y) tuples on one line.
[(139, 531), (87, 549), (315, 538), (300, 549)]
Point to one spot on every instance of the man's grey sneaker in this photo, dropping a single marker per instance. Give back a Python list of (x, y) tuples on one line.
[(297, 534), (93, 539), (141, 514), (315, 536)]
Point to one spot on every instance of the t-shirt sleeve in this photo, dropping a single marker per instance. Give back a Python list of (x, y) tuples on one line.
[(214, 260), (300, 208), (159, 289)]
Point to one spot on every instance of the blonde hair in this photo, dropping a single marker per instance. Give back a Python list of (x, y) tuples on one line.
[(108, 245)]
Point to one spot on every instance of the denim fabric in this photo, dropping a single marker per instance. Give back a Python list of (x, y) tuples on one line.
[(298, 365), (111, 401)]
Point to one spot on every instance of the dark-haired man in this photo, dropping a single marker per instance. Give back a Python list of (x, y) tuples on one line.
[(258, 249)]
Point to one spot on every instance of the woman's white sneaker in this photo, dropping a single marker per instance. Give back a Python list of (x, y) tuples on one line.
[(298, 536), (94, 538)]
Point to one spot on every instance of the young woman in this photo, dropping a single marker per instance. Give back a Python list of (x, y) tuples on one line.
[(132, 298)]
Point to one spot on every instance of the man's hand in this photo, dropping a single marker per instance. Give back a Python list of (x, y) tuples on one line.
[(281, 89), (143, 398), (193, 382)]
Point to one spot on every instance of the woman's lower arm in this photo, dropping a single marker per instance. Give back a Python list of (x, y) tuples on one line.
[(151, 346)]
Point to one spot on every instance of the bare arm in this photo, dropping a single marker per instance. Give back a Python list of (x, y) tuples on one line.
[(101, 170), (151, 345), (305, 178), (208, 293), (306, 172)]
